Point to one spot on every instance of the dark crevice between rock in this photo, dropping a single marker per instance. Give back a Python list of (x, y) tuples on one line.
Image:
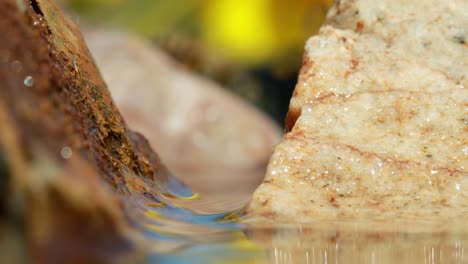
[(36, 7)]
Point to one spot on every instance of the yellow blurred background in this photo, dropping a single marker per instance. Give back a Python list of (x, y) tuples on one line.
[(253, 47)]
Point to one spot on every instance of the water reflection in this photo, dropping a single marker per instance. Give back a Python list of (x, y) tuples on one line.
[(173, 233), (318, 246)]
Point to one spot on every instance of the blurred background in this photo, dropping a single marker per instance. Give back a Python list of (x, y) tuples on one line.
[(207, 82), (252, 47)]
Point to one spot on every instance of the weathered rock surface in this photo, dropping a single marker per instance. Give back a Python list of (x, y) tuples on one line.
[(378, 121), (212, 140), (66, 154)]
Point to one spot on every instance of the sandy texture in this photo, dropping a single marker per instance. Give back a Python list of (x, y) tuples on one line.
[(378, 121)]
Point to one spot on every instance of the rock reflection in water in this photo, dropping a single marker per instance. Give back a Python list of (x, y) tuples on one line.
[(171, 232), (322, 245)]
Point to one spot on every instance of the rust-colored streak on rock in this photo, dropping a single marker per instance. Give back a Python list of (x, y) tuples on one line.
[(291, 118), (62, 139), (359, 26)]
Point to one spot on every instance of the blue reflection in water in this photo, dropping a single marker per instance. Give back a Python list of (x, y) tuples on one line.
[(177, 188), (211, 253), (194, 238)]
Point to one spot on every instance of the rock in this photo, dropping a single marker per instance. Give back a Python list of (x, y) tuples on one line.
[(67, 158), (209, 138), (378, 121)]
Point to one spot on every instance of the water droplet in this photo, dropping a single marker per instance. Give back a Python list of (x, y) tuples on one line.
[(307, 108), (66, 152), (29, 81), (36, 23), (465, 150)]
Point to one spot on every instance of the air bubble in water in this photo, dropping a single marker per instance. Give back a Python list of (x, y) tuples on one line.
[(28, 81), (66, 152)]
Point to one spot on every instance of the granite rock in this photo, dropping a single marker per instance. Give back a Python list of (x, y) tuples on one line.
[(377, 125)]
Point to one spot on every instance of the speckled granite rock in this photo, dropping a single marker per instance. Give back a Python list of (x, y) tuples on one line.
[(378, 121)]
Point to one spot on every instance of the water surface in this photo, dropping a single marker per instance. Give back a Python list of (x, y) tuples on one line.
[(172, 230)]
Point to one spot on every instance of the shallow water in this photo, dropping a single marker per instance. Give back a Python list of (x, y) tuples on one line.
[(173, 233)]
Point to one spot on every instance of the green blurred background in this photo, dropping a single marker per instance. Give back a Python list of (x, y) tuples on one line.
[(252, 47)]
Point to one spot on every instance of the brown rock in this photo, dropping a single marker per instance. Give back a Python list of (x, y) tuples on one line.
[(66, 155)]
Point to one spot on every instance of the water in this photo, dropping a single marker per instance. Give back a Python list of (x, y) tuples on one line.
[(171, 232)]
